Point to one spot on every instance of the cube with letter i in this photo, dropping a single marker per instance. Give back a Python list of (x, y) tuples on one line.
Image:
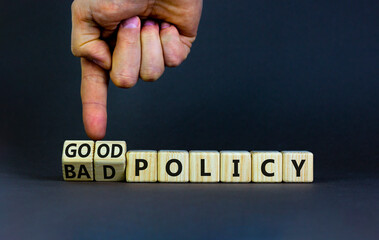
[(235, 166)]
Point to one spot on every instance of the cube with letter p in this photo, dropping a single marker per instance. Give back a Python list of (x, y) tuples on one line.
[(141, 166)]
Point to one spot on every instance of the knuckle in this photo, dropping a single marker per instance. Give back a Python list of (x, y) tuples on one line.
[(98, 78), (123, 80), (174, 60), (131, 39), (75, 51), (74, 5), (94, 103), (110, 7), (151, 74)]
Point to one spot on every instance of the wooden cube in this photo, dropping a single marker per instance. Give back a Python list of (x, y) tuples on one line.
[(173, 166), (297, 166), (235, 166), (266, 166), (110, 161), (141, 166), (77, 160), (204, 166)]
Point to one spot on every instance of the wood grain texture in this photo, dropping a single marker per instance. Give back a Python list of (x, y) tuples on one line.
[(293, 159), (209, 170), (77, 160), (266, 166), (171, 160), (110, 161), (147, 168), (243, 163)]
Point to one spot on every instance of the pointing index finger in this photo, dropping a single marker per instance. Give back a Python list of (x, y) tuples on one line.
[(94, 89)]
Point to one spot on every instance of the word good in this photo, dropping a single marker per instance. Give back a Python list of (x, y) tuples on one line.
[(109, 161)]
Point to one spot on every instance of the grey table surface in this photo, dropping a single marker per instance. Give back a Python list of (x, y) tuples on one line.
[(49, 208)]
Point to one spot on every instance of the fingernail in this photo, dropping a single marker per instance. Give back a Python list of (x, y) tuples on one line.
[(130, 23), (165, 25), (149, 23)]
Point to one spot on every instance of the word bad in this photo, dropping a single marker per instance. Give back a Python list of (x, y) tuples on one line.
[(109, 161)]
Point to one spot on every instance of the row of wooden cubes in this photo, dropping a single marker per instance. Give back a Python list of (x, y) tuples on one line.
[(110, 161)]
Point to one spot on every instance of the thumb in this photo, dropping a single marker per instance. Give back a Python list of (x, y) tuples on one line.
[(85, 38)]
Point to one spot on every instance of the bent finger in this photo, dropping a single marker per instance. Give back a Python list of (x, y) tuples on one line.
[(152, 62), (126, 57), (175, 51)]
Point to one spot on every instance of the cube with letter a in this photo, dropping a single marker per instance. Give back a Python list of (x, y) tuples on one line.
[(77, 160)]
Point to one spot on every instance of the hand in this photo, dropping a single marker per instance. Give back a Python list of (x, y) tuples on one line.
[(168, 30)]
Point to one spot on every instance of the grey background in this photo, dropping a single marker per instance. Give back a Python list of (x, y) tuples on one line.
[(277, 75)]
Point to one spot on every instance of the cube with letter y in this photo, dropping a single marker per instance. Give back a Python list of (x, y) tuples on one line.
[(110, 161), (297, 166), (77, 160)]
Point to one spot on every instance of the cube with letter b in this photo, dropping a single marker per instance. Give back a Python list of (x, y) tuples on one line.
[(110, 161), (141, 166), (77, 160)]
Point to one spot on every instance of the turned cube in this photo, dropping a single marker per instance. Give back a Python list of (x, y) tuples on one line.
[(204, 166), (141, 166), (235, 166), (266, 166), (297, 166), (173, 166), (110, 161), (77, 160)]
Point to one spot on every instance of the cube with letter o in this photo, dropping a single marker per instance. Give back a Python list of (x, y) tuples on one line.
[(77, 160), (110, 161)]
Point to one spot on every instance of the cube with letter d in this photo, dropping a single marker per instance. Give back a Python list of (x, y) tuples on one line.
[(110, 161)]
